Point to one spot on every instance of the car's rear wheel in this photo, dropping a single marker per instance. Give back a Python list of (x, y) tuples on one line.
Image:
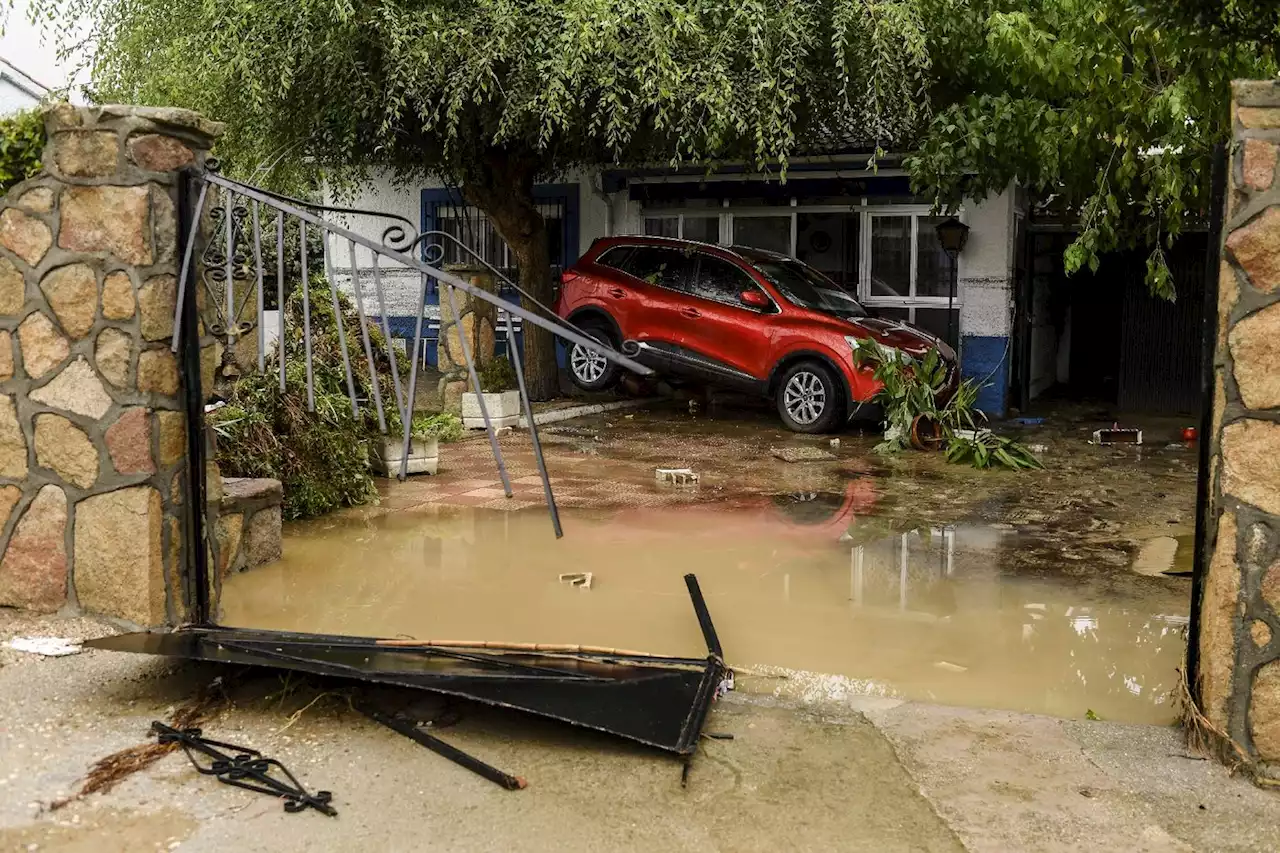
[(810, 398), (588, 369)]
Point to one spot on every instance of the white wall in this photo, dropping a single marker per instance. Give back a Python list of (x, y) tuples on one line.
[(14, 98), (986, 267)]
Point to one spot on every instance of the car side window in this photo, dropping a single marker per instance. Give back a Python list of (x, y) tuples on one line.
[(664, 267), (721, 280), (616, 257)]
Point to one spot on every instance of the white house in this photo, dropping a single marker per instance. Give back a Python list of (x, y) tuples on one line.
[(18, 90), (861, 227)]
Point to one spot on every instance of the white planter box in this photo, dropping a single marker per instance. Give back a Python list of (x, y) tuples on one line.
[(504, 409), (424, 456)]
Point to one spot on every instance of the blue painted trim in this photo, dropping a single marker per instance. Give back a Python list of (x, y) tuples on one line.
[(985, 359)]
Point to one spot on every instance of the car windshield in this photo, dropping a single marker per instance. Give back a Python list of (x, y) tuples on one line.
[(804, 286)]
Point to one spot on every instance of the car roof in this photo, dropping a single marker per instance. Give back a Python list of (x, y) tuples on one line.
[(746, 253)]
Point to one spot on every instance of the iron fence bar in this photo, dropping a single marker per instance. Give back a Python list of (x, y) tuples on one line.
[(306, 317), (557, 326), (503, 277), (229, 290), (405, 415), (337, 321), (533, 430), (187, 329), (280, 295), (412, 396), (475, 383), (184, 273), (257, 262), (364, 334)]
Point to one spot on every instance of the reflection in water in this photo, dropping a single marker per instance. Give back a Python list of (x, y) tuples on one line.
[(804, 583)]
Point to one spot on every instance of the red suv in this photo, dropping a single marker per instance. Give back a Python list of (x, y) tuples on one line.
[(734, 317)]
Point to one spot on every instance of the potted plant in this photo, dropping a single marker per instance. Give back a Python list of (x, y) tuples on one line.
[(914, 417), (501, 399), (426, 431)]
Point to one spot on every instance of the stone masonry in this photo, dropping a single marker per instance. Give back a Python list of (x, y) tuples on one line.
[(92, 429), (1239, 672), (476, 321)]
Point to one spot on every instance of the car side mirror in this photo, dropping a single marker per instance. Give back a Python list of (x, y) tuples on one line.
[(754, 298)]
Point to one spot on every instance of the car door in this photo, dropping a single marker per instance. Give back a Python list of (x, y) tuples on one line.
[(733, 338), (648, 305)]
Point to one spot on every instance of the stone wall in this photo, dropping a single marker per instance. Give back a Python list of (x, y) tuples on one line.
[(1239, 671), (476, 322), (92, 428)]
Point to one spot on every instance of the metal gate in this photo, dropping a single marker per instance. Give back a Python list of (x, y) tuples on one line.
[(254, 237)]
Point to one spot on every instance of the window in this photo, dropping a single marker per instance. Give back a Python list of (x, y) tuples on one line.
[(771, 233), (829, 242), (662, 226), (721, 281), (616, 257), (890, 256), (933, 266), (473, 228), (885, 255), (705, 228), (664, 267)]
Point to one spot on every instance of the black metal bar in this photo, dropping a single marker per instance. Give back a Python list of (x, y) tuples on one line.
[(704, 616), (1208, 352), (439, 747), (244, 768), (514, 358), (197, 559)]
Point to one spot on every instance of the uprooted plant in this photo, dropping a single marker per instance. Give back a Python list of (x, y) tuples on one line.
[(915, 415), (320, 453)]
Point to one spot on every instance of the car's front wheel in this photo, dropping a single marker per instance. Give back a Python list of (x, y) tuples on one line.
[(588, 369), (810, 398)]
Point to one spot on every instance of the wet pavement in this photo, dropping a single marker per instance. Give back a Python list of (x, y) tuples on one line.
[(907, 578)]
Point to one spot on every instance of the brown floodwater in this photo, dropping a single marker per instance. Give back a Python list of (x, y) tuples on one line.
[(823, 601)]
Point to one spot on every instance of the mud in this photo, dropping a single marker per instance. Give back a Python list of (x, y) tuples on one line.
[(798, 584)]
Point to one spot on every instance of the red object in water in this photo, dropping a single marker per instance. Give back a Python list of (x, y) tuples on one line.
[(1189, 433)]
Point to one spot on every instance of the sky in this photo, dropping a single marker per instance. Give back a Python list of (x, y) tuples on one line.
[(34, 53)]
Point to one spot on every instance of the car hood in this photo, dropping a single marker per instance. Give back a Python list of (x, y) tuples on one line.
[(901, 336)]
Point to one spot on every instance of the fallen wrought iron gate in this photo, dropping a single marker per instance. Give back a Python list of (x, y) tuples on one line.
[(658, 700)]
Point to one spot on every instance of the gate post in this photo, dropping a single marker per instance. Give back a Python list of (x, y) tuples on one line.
[(93, 432), (1238, 668)]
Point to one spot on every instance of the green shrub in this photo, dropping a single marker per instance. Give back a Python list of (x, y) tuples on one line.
[(321, 457), (21, 144), (496, 375)]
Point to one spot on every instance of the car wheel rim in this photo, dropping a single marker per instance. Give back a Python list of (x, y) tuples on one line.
[(588, 365), (805, 397)]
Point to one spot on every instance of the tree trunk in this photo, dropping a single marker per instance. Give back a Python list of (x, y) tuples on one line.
[(503, 188)]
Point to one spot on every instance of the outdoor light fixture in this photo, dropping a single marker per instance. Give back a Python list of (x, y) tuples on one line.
[(952, 234)]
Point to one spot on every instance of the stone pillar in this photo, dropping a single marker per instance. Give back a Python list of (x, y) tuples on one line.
[(1239, 654), (92, 428), (476, 320)]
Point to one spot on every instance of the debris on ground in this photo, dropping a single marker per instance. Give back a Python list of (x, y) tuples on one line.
[(582, 580), (1117, 435), (244, 768), (802, 454), (50, 647), (110, 771), (439, 747), (835, 442), (678, 476), (948, 666)]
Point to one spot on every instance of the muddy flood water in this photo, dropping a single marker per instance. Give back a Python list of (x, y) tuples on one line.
[(811, 597)]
